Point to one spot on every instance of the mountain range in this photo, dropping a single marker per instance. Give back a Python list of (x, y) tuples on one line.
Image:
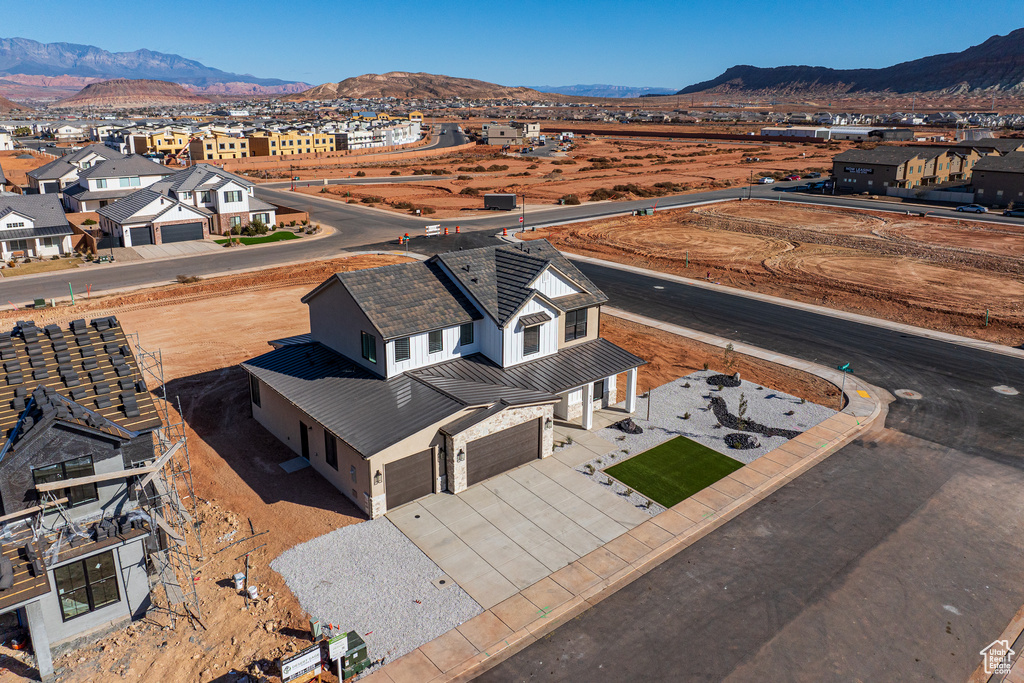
[(402, 84), (123, 93), (47, 70), (602, 90), (997, 65)]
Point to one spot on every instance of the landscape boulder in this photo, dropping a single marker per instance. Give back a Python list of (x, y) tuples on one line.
[(629, 427), (742, 441)]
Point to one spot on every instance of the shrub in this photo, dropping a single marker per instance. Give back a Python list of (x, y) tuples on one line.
[(497, 167), (371, 200), (188, 279), (403, 205), (324, 190), (292, 224), (88, 221), (464, 177), (360, 174), (603, 193), (532, 166), (395, 173), (686, 416), (427, 211), (471, 191), (570, 200)]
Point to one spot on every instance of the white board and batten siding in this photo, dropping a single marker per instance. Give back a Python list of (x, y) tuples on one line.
[(552, 284), (513, 334), (419, 353)]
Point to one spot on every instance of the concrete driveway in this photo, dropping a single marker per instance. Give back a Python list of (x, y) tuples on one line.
[(505, 534)]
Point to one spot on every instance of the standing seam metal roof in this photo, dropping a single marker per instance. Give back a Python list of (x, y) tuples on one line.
[(363, 410)]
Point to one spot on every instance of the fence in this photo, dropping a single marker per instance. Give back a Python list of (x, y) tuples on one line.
[(931, 196)]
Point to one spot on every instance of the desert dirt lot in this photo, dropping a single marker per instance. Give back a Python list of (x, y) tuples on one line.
[(15, 168), (203, 331), (935, 273), (595, 169)]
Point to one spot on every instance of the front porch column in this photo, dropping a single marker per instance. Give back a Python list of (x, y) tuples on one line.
[(631, 390), (588, 405), (40, 641)]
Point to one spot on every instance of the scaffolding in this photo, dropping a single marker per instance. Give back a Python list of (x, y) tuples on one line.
[(167, 494)]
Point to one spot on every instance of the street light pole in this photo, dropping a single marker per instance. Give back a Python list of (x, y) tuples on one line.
[(523, 221)]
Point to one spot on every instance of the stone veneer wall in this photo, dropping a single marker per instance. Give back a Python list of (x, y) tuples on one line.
[(507, 418)]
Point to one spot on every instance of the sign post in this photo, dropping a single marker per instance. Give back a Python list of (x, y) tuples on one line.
[(303, 666), (842, 391)]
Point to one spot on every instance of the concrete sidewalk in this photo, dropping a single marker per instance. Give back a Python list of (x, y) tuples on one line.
[(527, 615)]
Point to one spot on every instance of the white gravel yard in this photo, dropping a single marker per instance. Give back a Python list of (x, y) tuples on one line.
[(670, 402), (367, 577)]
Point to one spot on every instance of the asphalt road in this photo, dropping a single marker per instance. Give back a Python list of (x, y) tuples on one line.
[(855, 570)]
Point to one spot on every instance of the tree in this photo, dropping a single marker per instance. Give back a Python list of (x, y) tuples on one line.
[(728, 357), (741, 411), (22, 131)]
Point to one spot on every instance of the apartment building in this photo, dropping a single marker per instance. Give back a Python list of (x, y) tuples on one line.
[(874, 170), (268, 143), (218, 146), (999, 180)]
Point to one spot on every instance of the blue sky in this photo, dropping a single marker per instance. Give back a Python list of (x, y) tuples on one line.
[(642, 43)]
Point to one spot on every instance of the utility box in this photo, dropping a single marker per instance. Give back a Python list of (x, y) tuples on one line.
[(350, 651), (500, 202)]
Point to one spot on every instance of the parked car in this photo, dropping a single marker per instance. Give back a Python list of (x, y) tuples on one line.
[(972, 208), (813, 175), (792, 177), (765, 181), (1014, 212)]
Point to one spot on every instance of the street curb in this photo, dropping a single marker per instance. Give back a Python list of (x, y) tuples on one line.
[(684, 526), (959, 340)]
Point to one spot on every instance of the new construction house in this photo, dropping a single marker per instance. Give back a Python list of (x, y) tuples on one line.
[(81, 484), (434, 376)]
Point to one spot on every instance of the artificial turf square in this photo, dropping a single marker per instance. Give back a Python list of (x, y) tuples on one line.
[(673, 471)]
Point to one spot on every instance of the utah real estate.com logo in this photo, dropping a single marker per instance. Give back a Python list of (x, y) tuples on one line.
[(996, 657)]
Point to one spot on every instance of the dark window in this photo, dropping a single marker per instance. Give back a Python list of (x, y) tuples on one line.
[(598, 390), (71, 469), (576, 324), (369, 347), (87, 585), (331, 449), (435, 341), (402, 349), (254, 390), (466, 334), (531, 340)]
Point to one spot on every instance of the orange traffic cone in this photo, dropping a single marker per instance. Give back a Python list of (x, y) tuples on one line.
[(456, 230), (504, 232)]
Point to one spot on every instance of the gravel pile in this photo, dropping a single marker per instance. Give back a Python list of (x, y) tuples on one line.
[(366, 577), (671, 401)]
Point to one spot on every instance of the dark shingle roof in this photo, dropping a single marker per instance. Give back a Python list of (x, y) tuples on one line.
[(188, 179), (123, 209), (366, 412), (498, 277), (74, 363), (405, 299), (44, 209), (58, 168), (132, 165), (567, 369), (886, 155), (1011, 162), (1002, 145)]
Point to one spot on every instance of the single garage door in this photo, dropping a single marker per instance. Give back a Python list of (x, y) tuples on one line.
[(410, 478), (503, 451), (141, 236), (184, 232)]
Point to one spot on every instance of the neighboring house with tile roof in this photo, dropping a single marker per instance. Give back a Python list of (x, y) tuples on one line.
[(76, 437), (231, 199), (33, 226), (436, 375), (149, 217), (61, 173), (107, 181)]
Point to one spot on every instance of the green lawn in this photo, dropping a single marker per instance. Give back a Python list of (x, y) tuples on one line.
[(276, 236), (672, 472)]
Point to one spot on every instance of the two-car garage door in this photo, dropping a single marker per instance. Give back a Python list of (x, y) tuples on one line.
[(410, 478), (183, 232), (500, 452)]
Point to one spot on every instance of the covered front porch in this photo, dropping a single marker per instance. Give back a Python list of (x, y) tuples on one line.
[(580, 404)]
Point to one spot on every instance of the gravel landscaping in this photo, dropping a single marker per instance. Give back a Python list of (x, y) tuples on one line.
[(368, 578), (670, 402)]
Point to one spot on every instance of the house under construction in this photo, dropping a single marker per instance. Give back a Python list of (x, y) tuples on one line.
[(95, 486)]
